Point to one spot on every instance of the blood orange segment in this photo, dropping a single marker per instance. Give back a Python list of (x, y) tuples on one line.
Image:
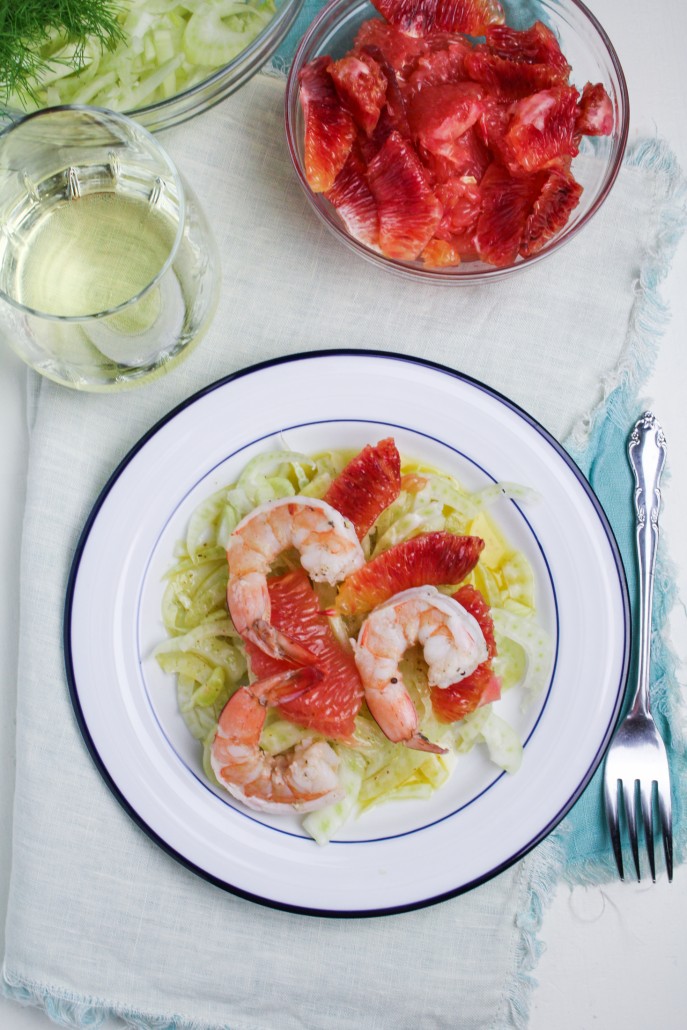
[(393, 116), (458, 700), (462, 202), (369, 483), (468, 160), (493, 124), (560, 195), (481, 686), (398, 49), (518, 62), (329, 707), (418, 17), (409, 212), (432, 559), (542, 129), (440, 254), (361, 84), (595, 116), (352, 198), (472, 600), (506, 205), (442, 61), (329, 127), (536, 45), (439, 117)]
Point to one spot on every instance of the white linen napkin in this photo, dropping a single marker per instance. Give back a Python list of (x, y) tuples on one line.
[(101, 922)]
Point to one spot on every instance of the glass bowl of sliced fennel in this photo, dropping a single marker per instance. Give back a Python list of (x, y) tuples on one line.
[(159, 61)]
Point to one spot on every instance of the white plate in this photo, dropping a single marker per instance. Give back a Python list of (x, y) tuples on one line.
[(399, 856)]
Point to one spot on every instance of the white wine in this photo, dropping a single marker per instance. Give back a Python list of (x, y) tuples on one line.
[(95, 254), (90, 254), (108, 271)]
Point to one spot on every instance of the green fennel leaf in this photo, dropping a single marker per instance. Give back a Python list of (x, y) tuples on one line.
[(28, 26)]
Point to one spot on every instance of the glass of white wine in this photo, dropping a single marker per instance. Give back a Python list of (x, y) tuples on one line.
[(108, 270)]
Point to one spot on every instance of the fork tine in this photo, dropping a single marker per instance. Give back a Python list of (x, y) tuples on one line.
[(629, 793), (666, 816), (611, 798), (646, 797)]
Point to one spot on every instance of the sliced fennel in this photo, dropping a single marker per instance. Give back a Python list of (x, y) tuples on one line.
[(534, 641), (219, 30), (168, 47), (323, 824), (208, 657)]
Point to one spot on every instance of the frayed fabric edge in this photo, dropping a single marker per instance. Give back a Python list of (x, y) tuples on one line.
[(650, 315), (70, 1010), (544, 870)]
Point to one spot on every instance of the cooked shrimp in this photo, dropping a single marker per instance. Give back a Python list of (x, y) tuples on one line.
[(304, 777), (329, 549), (453, 646)]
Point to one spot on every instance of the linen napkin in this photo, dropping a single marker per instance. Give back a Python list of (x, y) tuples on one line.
[(101, 922)]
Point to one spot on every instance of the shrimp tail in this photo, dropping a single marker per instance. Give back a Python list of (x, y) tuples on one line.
[(285, 686), (419, 742), (270, 640)]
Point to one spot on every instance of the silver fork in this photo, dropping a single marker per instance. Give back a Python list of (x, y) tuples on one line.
[(637, 757)]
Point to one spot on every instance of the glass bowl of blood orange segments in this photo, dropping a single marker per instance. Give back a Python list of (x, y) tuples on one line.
[(509, 192)]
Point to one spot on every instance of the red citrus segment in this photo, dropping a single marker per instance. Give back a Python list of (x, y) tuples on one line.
[(439, 118), (560, 195), (472, 601), (506, 205), (542, 129), (394, 116), (468, 160), (330, 706), (518, 62), (458, 700), (595, 115), (418, 17), (462, 202), (329, 127), (481, 686), (369, 483), (352, 198), (399, 50), (361, 85), (409, 212), (493, 125), (536, 45), (432, 559), (440, 254), (442, 61)]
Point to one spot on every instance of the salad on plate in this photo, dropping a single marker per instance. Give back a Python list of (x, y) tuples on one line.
[(342, 627)]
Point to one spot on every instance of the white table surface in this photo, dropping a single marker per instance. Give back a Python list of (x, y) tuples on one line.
[(615, 956)]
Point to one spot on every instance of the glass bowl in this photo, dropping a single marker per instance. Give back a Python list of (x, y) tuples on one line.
[(593, 59), (217, 85)]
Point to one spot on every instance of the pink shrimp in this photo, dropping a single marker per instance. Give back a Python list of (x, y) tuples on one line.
[(305, 777), (453, 646), (329, 549)]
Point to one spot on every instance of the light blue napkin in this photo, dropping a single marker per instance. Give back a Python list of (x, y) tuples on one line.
[(584, 836)]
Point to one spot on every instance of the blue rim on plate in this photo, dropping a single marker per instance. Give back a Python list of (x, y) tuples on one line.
[(605, 731)]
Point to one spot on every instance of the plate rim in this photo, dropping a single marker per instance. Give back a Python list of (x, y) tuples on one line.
[(108, 778)]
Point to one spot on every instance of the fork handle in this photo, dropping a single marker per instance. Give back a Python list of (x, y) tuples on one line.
[(647, 455)]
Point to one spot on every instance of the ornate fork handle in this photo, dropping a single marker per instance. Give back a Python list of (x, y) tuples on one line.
[(647, 455)]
